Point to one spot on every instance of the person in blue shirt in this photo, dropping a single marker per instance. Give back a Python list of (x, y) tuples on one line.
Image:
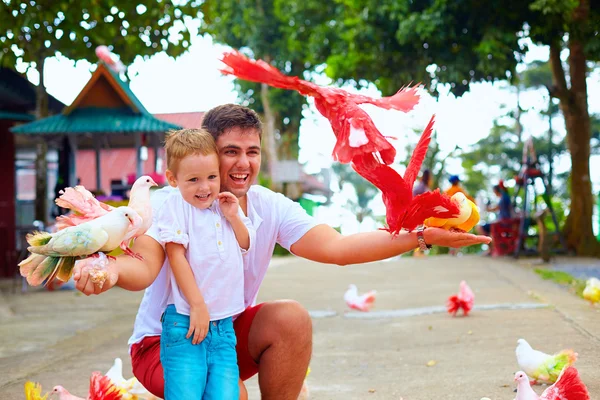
[(503, 209)]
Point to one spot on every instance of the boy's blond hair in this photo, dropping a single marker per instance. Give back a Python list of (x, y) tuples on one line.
[(184, 142)]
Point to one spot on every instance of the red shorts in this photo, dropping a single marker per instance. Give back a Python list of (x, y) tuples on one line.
[(145, 355)]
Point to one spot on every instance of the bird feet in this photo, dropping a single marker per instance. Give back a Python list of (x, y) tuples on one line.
[(130, 253)]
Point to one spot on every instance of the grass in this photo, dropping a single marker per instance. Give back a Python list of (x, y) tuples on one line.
[(563, 278)]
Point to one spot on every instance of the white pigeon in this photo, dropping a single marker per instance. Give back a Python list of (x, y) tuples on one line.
[(53, 255), (540, 366), (361, 303), (567, 387), (131, 388)]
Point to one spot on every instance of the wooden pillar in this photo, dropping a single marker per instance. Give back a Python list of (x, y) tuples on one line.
[(155, 145), (72, 157), (97, 148), (138, 156)]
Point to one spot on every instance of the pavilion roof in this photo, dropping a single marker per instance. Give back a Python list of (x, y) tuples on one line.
[(106, 105)]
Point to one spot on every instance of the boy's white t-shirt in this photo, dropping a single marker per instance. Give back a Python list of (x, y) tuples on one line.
[(213, 254), (275, 218)]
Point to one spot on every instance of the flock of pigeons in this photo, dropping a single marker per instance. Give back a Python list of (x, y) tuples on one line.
[(537, 367)]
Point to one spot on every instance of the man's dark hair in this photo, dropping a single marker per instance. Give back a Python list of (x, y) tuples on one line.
[(222, 118)]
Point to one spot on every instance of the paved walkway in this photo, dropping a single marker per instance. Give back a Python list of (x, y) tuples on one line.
[(61, 337)]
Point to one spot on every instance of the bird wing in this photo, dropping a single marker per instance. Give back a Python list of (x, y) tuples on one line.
[(101, 388), (76, 241), (426, 205), (418, 155), (260, 71), (83, 203), (568, 386), (404, 100)]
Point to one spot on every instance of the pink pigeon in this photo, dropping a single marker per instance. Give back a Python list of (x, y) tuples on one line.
[(464, 299), (101, 388), (110, 59), (87, 207), (361, 303), (568, 387)]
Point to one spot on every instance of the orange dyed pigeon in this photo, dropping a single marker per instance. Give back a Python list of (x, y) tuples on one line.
[(467, 218), (363, 302), (463, 300), (403, 211), (87, 208), (568, 387), (101, 388), (355, 131)]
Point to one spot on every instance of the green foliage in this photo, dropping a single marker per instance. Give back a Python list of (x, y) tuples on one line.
[(256, 28), (564, 279), (365, 191), (32, 30)]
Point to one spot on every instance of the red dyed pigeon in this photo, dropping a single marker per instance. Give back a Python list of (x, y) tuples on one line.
[(110, 59), (355, 131), (402, 209), (363, 302), (568, 387), (101, 388), (463, 300)]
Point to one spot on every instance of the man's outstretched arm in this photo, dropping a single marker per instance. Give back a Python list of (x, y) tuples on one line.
[(126, 272), (326, 245)]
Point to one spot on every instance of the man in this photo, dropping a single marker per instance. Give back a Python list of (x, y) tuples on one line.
[(274, 338)]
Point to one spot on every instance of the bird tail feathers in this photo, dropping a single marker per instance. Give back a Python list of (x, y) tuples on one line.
[(418, 154), (38, 268), (570, 386), (38, 238), (102, 388)]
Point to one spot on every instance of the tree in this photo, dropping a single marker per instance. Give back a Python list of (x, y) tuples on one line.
[(365, 191), (33, 31), (394, 42), (255, 27)]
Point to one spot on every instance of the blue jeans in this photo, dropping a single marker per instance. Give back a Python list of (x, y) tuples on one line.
[(207, 370)]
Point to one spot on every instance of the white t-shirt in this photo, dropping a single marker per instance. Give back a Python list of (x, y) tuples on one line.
[(275, 218), (213, 254)]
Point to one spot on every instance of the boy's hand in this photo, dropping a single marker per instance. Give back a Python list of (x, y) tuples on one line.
[(199, 320), (229, 205)]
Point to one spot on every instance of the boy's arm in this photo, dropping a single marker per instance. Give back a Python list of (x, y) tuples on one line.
[(242, 233), (183, 274)]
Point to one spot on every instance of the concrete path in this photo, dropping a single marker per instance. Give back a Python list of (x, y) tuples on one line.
[(61, 337)]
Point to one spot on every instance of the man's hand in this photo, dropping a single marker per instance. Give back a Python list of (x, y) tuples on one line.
[(442, 237), (229, 205), (199, 320), (84, 272)]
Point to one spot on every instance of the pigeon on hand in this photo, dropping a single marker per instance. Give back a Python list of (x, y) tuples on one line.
[(464, 222), (568, 387), (542, 367), (53, 255), (592, 290), (361, 303), (87, 208), (463, 300)]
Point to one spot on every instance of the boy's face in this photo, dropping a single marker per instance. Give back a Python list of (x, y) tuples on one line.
[(198, 179), (239, 156)]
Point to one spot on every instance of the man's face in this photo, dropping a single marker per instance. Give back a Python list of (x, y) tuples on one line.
[(239, 155)]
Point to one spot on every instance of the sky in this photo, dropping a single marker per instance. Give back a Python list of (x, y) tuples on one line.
[(193, 82)]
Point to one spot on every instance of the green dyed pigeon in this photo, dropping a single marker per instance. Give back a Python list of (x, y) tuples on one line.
[(53, 255), (542, 367)]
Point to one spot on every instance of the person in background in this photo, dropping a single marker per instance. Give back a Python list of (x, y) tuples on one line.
[(456, 187), (423, 185), (503, 209)]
